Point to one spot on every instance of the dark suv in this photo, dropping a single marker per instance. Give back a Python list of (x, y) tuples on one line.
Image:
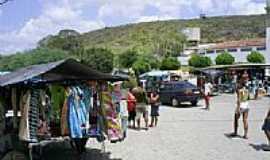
[(175, 92)]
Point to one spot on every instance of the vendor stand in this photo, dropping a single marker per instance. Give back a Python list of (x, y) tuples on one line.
[(54, 102)]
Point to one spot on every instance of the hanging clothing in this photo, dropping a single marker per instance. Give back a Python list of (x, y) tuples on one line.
[(113, 121), (124, 117), (57, 100), (64, 117), (73, 118), (78, 105), (30, 116), (24, 108)]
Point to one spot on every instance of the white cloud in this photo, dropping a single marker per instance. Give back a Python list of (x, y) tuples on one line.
[(62, 14), (154, 18), (54, 17)]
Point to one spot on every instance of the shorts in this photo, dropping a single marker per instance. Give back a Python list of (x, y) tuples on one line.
[(154, 110), (244, 110), (266, 125), (141, 110), (131, 115)]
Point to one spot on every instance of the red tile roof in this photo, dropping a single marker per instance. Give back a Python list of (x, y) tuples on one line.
[(259, 42)]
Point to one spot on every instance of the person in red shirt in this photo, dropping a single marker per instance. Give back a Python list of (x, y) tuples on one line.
[(131, 100)]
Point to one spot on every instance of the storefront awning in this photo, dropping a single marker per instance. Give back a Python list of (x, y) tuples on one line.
[(63, 70)]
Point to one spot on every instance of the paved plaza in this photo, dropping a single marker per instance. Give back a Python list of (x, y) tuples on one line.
[(192, 133)]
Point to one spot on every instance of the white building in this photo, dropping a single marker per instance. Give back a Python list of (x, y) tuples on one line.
[(239, 49)]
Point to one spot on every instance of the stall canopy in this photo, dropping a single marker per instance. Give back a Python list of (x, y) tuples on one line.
[(63, 70)]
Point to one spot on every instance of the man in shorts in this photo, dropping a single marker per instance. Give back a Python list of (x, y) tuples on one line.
[(141, 106), (241, 109)]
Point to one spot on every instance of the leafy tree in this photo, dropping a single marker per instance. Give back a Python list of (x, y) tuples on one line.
[(224, 59), (255, 57), (151, 59), (141, 66), (170, 63), (31, 57), (126, 59), (67, 40), (98, 58), (199, 61)]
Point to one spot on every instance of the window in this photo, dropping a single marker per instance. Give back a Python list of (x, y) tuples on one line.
[(210, 51), (261, 48), (220, 50), (246, 49), (232, 50)]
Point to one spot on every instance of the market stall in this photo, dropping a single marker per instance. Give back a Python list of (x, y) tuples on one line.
[(59, 101)]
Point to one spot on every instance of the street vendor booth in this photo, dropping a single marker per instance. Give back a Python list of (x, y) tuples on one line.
[(228, 75), (59, 101)]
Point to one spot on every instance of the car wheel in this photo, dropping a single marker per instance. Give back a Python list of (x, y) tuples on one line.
[(174, 102), (194, 103)]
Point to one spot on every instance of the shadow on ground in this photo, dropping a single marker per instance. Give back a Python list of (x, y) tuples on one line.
[(230, 136), (185, 106), (260, 147), (67, 153)]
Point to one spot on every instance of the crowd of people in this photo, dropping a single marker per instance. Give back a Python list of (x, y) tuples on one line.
[(140, 105), (242, 107), (243, 92)]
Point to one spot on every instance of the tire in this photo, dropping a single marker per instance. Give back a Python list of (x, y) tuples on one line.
[(174, 102), (194, 103)]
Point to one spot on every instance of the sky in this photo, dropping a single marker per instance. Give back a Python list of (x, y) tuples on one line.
[(24, 22)]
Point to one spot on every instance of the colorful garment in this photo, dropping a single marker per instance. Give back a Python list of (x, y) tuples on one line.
[(57, 100), (114, 128)]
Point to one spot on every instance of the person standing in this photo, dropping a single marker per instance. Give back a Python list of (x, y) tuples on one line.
[(241, 109), (154, 100), (266, 129), (207, 92), (131, 108), (141, 106)]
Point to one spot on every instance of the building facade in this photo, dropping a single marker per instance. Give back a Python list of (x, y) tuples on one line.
[(238, 49)]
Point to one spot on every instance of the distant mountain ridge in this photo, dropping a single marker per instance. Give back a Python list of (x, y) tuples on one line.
[(148, 36)]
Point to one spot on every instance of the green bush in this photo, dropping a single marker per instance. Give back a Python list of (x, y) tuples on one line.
[(170, 63), (98, 58), (255, 57), (224, 58), (141, 66), (127, 58), (199, 61)]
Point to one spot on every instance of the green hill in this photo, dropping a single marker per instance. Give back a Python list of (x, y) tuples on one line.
[(145, 35), (149, 36)]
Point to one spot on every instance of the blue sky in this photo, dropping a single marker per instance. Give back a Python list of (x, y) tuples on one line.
[(24, 22)]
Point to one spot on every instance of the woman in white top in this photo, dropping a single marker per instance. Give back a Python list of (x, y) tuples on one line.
[(242, 108)]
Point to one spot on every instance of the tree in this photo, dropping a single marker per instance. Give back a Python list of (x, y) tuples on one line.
[(255, 57), (126, 59), (151, 60), (98, 58), (141, 66), (225, 58), (199, 61), (31, 57), (170, 63)]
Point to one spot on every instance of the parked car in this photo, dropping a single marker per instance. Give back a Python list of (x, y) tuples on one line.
[(176, 92)]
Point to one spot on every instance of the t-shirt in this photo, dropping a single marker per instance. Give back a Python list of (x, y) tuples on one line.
[(131, 102), (207, 88)]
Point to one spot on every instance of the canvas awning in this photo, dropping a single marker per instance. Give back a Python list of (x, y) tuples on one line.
[(63, 70)]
